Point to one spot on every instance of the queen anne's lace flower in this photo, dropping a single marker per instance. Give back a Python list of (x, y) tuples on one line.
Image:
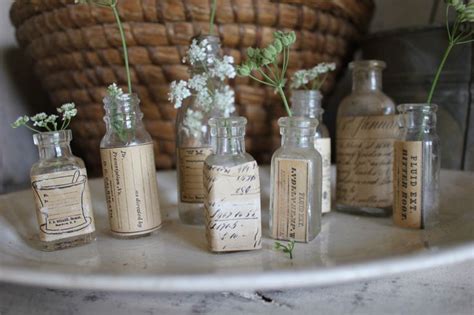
[(197, 51), (223, 69), (224, 100), (20, 121), (193, 122), (178, 92), (302, 77), (38, 120)]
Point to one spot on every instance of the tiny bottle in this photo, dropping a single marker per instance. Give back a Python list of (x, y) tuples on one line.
[(128, 166), (232, 190), (61, 191), (366, 128), (295, 182), (307, 103), (416, 168)]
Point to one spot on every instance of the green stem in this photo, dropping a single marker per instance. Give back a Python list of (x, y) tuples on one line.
[(31, 128), (438, 73), (211, 20), (285, 102), (266, 77), (124, 46), (258, 80)]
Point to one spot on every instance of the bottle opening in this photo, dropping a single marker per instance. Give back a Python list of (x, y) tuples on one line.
[(52, 137), (227, 127)]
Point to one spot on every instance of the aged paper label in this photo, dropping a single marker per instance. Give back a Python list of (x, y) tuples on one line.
[(408, 184), (323, 146), (290, 203), (131, 189), (63, 204), (364, 160), (232, 205), (191, 163)]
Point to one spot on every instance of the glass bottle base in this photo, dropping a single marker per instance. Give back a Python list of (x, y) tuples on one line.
[(365, 211), (191, 213), (130, 237), (67, 242)]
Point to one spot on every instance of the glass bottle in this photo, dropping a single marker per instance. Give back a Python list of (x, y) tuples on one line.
[(416, 168), (61, 191), (193, 142), (307, 103), (232, 190), (366, 127), (128, 166), (295, 182)]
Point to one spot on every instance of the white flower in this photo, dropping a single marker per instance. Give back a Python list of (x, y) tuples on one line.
[(114, 90), (69, 114), (224, 100), (38, 119), (223, 69), (20, 121), (66, 107), (302, 77), (51, 119), (193, 122), (197, 51), (198, 82), (178, 92), (204, 99)]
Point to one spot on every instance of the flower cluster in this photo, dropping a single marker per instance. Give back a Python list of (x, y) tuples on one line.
[(465, 11), (209, 87), (48, 122), (302, 78)]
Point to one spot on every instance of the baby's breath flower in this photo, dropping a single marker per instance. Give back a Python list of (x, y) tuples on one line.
[(20, 121), (178, 92)]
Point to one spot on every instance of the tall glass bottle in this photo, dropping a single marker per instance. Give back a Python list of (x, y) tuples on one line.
[(232, 190), (61, 191), (128, 166), (307, 103), (295, 182), (416, 168), (365, 130), (193, 142)]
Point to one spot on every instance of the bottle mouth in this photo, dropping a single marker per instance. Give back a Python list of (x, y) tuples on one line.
[(52, 137), (418, 107), (227, 127), (370, 63), (298, 123)]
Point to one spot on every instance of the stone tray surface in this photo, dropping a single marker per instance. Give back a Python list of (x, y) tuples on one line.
[(175, 259)]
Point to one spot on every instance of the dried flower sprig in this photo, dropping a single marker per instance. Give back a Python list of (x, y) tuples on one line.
[(313, 78), (288, 248), (48, 122), (264, 61), (208, 87), (460, 33)]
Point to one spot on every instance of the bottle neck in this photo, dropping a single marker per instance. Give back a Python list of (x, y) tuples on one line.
[(230, 146), (366, 79), (122, 113), (54, 144), (306, 103), (418, 121), (293, 140)]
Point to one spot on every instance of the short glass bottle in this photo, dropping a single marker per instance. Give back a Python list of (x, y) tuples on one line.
[(296, 182), (61, 191), (416, 168), (365, 130), (193, 142), (307, 103), (128, 165), (232, 190)]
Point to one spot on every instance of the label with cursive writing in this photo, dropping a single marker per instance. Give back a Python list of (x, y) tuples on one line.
[(408, 184), (364, 160), (63, 204), (191, 163), (290, 200), (131, 189), (232, 206), (323, 146)]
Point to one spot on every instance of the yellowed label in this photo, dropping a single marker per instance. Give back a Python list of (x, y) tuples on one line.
[(232, 205), (63, 204), (290, 203), (364, 160), (323, 146), (131, 189), (408, 184), (191, 163)]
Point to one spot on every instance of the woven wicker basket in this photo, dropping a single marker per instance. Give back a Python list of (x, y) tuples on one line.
[(76, 53)]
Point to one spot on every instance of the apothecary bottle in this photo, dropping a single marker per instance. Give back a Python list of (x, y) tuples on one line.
[(61, 191), (128, 166), (416, 168), (366, 128), (295, 182), (232, 190), (307, 103), (193, 141)]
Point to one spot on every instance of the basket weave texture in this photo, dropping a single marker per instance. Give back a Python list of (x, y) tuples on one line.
[(76, 51)]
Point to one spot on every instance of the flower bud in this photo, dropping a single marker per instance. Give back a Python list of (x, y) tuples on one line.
[(278, 45), (243, 70)]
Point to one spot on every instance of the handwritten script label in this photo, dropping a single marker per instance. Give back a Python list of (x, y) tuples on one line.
[(131, 189), (323, 146), (364, 160), (191, 163), (63, 204), (290, 203), (232, 205), (408, 184)]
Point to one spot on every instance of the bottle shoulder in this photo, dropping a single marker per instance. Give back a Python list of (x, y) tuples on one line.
[(366, 103), (292, 153), (54, 165), (228, 160)]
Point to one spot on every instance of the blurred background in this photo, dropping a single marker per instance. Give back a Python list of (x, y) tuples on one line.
[(407, 34)]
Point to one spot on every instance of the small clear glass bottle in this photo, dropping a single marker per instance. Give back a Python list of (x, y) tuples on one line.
[(416, 168), (296, 182), (366, 127), (193, 142), (232, 190), (307, 103), (128, 165), (61, 191)]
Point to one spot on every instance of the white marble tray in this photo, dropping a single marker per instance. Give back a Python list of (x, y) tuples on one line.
[(175, 258)]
